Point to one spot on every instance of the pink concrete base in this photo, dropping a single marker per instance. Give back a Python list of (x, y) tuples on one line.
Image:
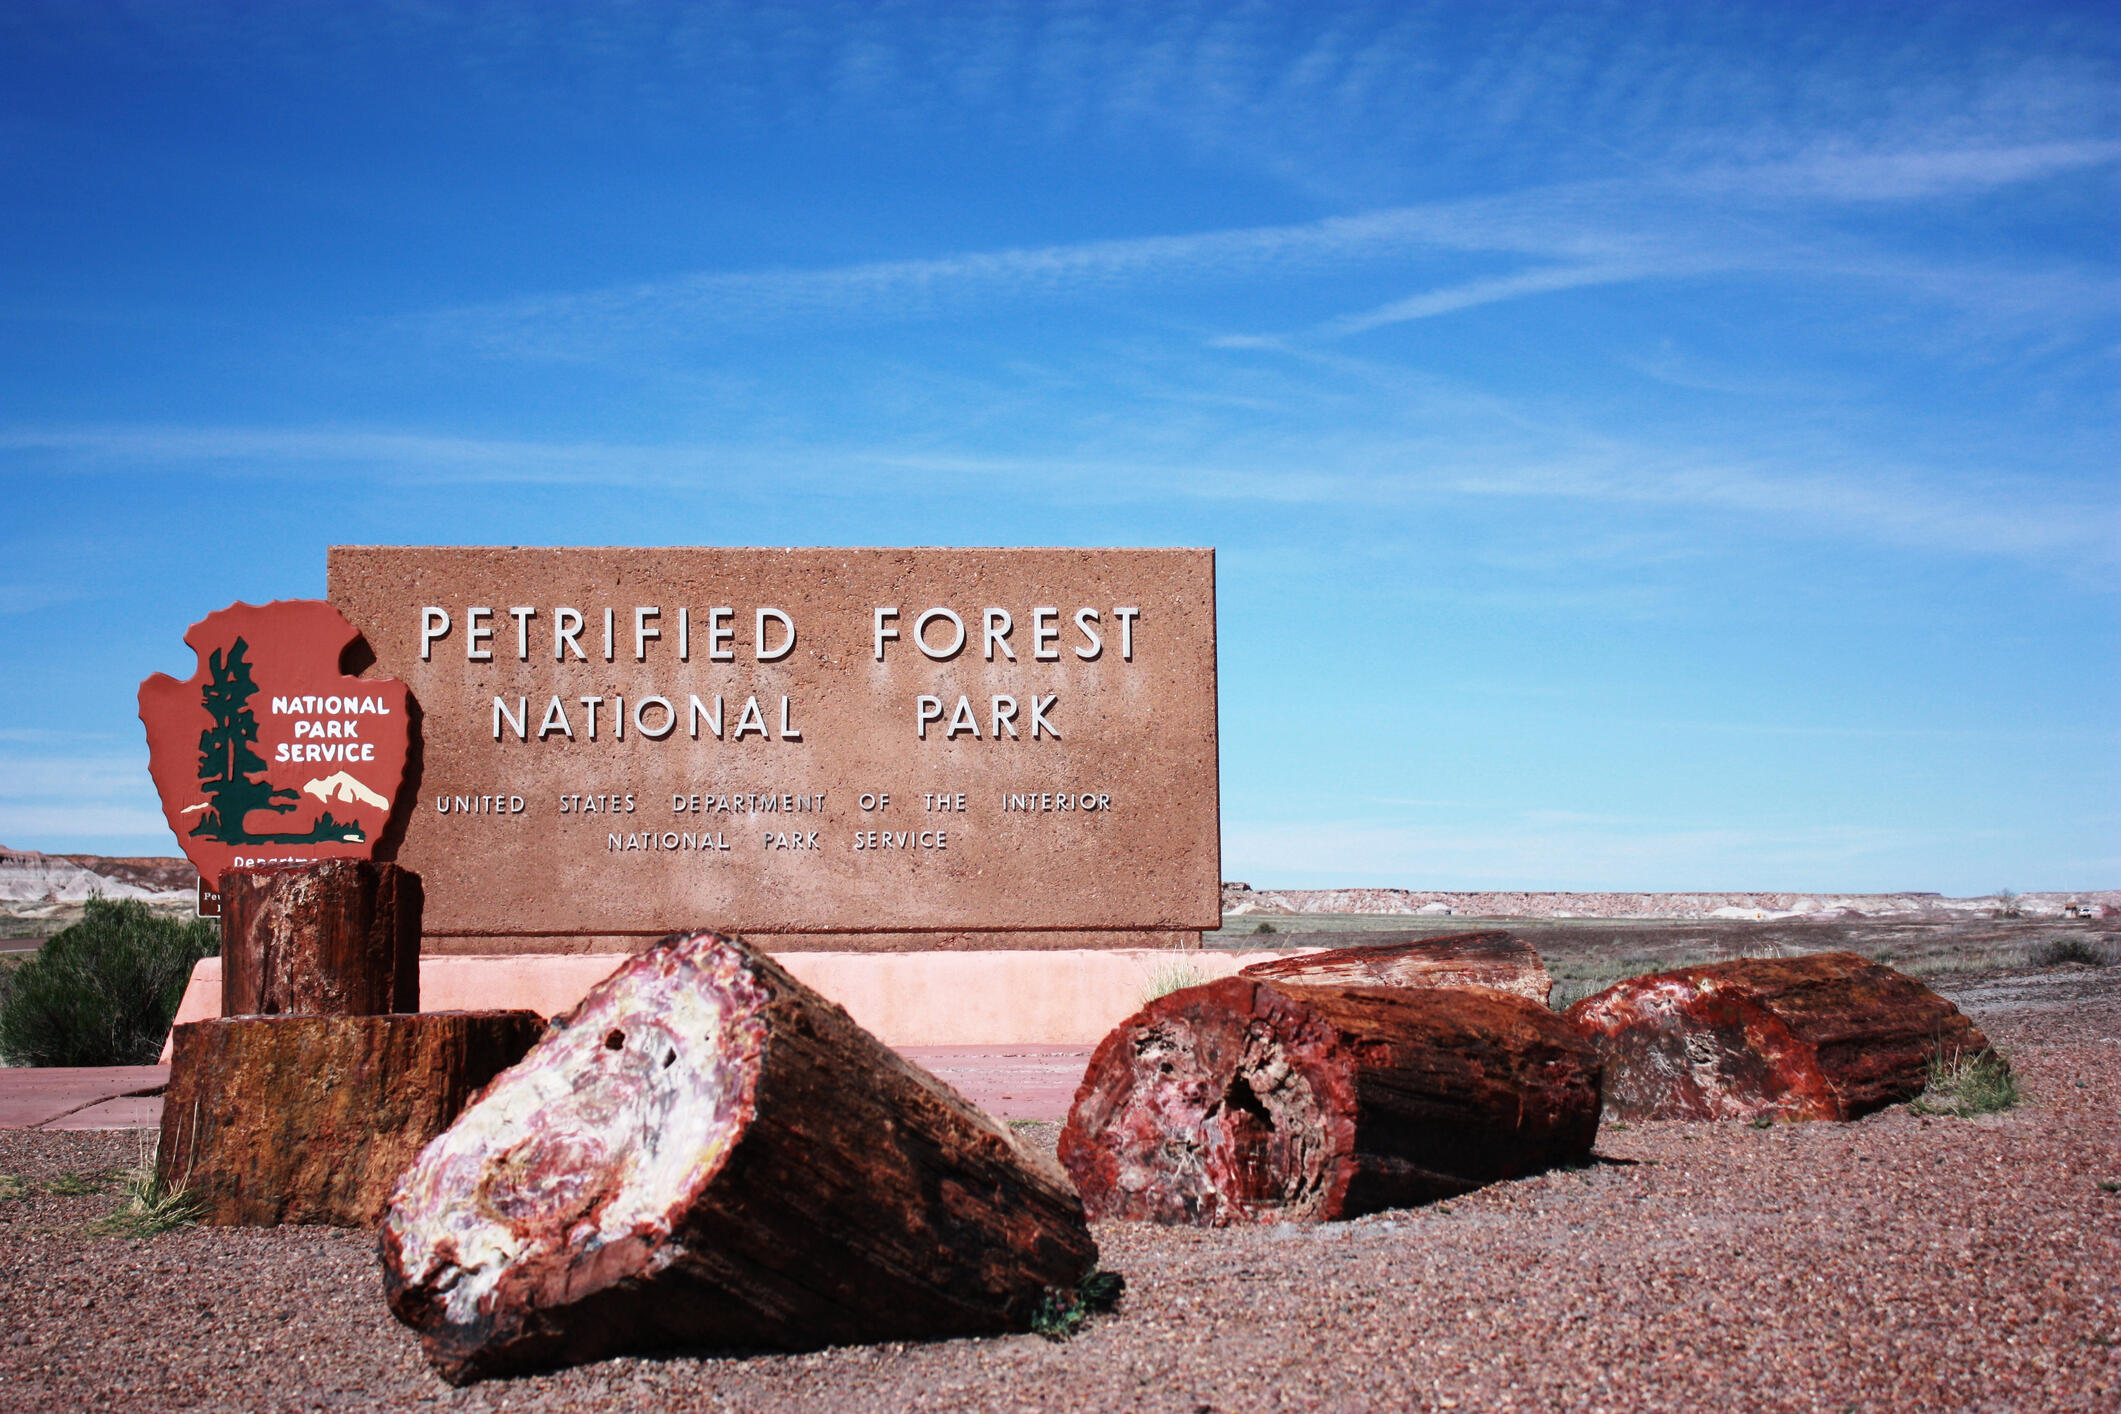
[(66, 1097), (1059, 998), (1008, 1082)]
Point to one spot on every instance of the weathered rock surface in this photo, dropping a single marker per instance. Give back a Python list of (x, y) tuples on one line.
[(1489, 959), (1830, 1036), (706, 1153), (310, 1119), (27, 876), (1249, 1101), (339, 937)]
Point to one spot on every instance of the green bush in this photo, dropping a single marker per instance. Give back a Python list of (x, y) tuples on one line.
[(102, 992), (2057, 951), (1967, 1084)]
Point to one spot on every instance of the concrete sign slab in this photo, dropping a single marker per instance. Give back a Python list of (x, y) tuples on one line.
[(966, 746)]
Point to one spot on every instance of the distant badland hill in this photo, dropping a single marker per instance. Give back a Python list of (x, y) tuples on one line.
[(1765, 907)]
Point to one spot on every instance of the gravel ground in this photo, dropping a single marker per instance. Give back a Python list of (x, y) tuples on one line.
[(1901, 1262)]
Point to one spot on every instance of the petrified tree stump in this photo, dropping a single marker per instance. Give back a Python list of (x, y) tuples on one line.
[(1492, 959), (1832, 1036), (706, 1153), (1249, 1101), (340, 937), (310, 1119)]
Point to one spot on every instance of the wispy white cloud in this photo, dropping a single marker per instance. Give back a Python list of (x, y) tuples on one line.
[(1473, 293), (1657, 226), (29, 598), (1862, 497), (56, 826), (50, 798)]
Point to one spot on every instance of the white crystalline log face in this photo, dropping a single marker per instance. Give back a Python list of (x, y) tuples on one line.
[(604, 1131)]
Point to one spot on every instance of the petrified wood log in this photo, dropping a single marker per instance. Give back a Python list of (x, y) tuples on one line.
[(340, 937), (1248, 1101), (310, 1119), (1492, 959), (706, 1153), (1832, 1036)]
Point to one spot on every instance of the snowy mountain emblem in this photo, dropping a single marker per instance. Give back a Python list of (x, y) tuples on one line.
[(345, 789)]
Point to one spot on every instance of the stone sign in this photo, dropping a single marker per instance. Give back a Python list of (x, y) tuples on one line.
[(831, 748), (270, 753)]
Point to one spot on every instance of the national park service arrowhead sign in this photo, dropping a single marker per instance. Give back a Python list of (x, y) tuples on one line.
[(270, 754)]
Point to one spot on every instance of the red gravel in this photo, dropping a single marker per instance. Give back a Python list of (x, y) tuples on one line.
[(1896, 1263)]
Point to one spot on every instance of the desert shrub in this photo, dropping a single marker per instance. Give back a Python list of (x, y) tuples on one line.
[(104, 991), (1967, 1083), (1171, 977), (1061, 1314), (150, 1204), (2056, 951)]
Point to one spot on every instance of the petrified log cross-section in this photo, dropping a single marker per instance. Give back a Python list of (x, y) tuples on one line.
[(1832, 1036), (1491, 959), (310, 1119), (338, 937), (1248, 1101), (706, 1153)]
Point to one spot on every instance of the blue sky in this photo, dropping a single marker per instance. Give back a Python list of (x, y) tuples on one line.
[(1647, 446)]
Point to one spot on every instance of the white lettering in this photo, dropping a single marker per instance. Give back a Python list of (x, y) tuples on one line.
[(1004, 715), (788, 733), (1126, 619), (920, 634), (643, 616), (1084, 618), (752, 720), (523, 615), (961, 720), (758, 643), (567, 634), (925, 710), (476, 633), (1038, 716), (434, 624), (883, 633), (670, 717), (997, 634), (719, 633), (699, 713), (1044, 634), (555, 721)]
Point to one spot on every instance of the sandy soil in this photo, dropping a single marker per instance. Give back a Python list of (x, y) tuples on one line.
[(1899, 1263)]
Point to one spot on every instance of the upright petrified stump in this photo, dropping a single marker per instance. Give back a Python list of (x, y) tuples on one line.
[(310, 1119), (706, 1153), (340, 937), (1248, 1101), (1832, 1036), (1492, 959)]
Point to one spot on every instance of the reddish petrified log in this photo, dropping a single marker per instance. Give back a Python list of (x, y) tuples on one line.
[(707, 1154), (1249, 1101), (340, 937), (310, 1119), (1492, 959), (1831, 1036)]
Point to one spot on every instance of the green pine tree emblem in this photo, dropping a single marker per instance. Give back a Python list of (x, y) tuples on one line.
[(228, 763)]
